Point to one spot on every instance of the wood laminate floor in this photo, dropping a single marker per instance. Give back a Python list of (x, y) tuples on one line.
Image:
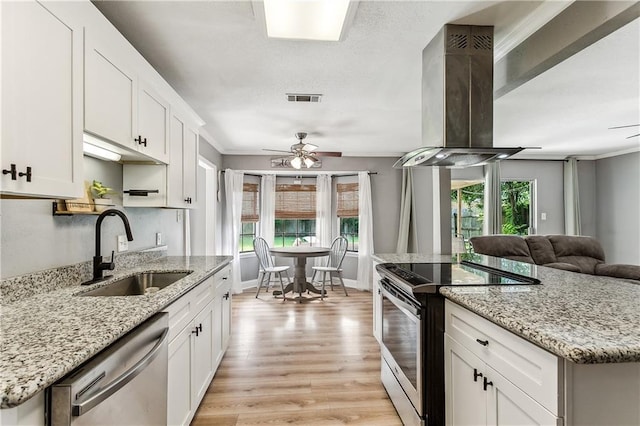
[(315, 363)]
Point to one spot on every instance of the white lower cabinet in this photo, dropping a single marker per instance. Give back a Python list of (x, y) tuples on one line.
[(196, 345), (493, 377), (476, 394), (179, 399)]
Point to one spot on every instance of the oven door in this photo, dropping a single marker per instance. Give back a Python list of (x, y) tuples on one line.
[(401, 348)]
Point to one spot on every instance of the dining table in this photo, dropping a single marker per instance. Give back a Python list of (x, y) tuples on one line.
[(300, 253)]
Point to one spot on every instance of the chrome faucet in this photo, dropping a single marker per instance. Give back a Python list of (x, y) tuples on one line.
[(98, 264)]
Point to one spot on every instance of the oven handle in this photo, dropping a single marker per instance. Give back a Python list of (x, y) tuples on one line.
[(402, 305)]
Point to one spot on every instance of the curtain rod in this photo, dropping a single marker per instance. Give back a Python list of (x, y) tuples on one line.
[(303, 177)]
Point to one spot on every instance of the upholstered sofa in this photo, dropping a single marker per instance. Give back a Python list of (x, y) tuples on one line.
[(570, 253)]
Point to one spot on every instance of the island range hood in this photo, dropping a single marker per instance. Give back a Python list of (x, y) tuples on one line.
[(457, 101)]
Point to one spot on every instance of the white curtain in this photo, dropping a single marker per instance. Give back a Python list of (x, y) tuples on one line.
[(266, 228), (365, 231), (407, 238), (233, 214), (572, 223), (323, 214), (492, 200)]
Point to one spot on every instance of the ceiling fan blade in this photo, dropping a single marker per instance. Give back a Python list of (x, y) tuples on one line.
[(328, 153), (624, 127)]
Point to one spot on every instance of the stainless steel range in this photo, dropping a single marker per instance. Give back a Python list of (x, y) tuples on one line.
[(412, 345)]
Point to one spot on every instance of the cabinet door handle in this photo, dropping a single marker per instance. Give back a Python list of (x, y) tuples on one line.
[(486, 383), (141, 141), (483, 342), (12, 171), (200, 327), (195, 331), (226, 296), (476, 375), (27, 174), (187, 200)]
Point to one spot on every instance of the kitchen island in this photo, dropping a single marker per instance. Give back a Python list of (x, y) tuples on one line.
[(572, 349), (47, 334)]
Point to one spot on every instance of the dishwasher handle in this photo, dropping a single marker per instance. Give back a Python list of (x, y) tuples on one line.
[(79, 408)]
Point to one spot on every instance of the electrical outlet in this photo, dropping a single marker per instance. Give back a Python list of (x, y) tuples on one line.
[(158, 238), (178, 215), (123, 244), (543, 216)]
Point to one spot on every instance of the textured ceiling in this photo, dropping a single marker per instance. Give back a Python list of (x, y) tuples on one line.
[(218, 58)]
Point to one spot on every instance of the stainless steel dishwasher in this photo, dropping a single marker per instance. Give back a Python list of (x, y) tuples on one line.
[(126, 384)]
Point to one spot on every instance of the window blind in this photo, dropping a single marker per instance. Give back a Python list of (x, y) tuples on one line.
[(295, 201), (347, 194), (250, 205)]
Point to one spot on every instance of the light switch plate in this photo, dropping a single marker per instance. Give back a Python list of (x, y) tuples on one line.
[(123, 244), (158, 238)]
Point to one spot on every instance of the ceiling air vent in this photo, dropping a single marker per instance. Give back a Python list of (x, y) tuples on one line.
[(303, 97)]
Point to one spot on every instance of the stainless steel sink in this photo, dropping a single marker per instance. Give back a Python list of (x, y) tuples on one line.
[(136, 285)]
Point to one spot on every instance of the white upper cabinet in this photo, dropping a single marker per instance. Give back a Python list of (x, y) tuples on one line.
[(41, 101), (121, 107), (109, 94), (176, 182), (183, 164), (153, 123)]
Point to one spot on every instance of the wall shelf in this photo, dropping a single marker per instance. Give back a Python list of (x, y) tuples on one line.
[(76, 208)]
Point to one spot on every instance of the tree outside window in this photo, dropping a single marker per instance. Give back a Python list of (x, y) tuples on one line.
[(468, 201), (295, 214), (347, 212)]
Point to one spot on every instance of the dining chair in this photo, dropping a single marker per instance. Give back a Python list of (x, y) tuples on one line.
[(267, 266), (333, 265)]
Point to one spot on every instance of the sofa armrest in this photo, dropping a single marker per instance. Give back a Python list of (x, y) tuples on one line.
[(619, 271), (563, 266)]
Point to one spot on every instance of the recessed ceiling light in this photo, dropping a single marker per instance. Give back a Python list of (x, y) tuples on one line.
[(306, 19)]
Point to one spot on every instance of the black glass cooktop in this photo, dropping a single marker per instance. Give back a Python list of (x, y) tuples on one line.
[(451, 274)]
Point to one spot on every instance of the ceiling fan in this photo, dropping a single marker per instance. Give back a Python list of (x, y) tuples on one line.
[(302, 153)]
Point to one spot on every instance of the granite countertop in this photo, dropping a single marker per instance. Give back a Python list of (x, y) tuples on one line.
[(583, 318), (45, 336)]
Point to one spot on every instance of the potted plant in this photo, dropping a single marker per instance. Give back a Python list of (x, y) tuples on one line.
[(100, 199)]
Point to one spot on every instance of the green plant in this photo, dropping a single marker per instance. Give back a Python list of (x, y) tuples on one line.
[(99, 190)]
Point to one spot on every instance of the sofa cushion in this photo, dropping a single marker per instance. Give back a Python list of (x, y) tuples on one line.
[(584, 252), (564, 266), (508, 246), (619, 271), (541, 249)]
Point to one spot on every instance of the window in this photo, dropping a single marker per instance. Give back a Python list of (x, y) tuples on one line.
[(347, 212), (295, 215), (467, 202), (250, 216)]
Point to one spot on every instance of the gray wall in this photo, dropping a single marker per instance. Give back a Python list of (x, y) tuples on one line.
[(618, 207), (33, 239)]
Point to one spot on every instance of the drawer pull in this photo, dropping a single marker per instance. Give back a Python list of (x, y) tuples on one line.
[(483, 342), (476, 375), (486, 383)]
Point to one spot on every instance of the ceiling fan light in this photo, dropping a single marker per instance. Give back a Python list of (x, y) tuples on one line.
[(296, 163), (309, 161)]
